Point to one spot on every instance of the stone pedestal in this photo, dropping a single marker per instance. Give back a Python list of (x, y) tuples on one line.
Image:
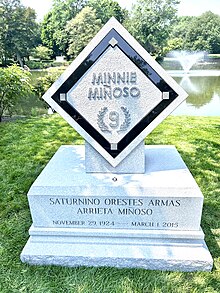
[(149, 220)]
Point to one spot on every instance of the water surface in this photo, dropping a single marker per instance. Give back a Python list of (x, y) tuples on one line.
[(204, 95), (202, 86)]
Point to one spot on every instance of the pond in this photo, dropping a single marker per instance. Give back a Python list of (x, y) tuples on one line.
[(202, 83), (202, 86), (204, 95), (31, 105)]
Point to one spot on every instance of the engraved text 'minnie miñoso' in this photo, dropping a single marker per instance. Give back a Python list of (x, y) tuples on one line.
[(113, 85)]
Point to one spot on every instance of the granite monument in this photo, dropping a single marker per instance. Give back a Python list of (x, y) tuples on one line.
[(116, 202)]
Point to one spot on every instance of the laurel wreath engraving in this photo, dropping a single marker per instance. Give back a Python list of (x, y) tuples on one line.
[(101, 123), (123, 127)]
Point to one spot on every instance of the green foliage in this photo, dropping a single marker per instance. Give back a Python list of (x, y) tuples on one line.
[(27, 145), (47, 33), (42, 52), (43, 83), (33, 64), (180, 27), (201, 33), (105, 9), (56, 37), (19, 30), (150, 22), (81, 30), (53, 33), (172, 45), (14, 84), (205, 31)]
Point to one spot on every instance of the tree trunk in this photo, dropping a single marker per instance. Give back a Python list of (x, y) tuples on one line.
[(4, 61), (20, 60)]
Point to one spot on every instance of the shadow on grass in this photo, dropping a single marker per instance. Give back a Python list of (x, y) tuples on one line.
[(205, 167)]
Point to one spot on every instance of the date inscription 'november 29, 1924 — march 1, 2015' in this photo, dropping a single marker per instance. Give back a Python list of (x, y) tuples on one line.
[(114, 201)]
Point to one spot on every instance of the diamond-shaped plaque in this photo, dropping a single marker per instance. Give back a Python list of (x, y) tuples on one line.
[(114, 93)]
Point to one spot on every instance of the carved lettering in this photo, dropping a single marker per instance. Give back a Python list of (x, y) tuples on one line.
[(162, 202), (74, 201), (117, 85), (123, 202), (94, 211), (130, 211)]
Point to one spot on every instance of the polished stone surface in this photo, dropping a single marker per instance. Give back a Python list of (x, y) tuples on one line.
[(133, 163), (154, 221), (114, 105), (164, 197), (183, 255)]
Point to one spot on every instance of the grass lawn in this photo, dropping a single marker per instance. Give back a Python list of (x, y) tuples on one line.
[(214, 55), (25, 148)]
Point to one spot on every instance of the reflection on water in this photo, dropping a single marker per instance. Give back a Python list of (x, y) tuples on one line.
[(204, 95), (202, 83), (202, 86), (187, 84), (31, 105)]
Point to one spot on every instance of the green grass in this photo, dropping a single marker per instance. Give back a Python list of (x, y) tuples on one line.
[(25, 148), (214, 55)]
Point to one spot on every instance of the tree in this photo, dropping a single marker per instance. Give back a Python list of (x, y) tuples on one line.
[(201, 33), (150, 23), (204, 33), (53, 33), (105, 9), (173, 45), (19, 30), (181, 26), (14, 83), (47, 33), (81, 30), (41, 52)]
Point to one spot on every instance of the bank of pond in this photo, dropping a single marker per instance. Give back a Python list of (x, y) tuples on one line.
[(202, 86)]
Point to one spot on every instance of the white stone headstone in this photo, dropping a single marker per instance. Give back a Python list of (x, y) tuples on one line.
[(124, 204)]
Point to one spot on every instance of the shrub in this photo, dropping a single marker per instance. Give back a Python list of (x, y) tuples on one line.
[(43, 83), (42, 52), (14, 84)]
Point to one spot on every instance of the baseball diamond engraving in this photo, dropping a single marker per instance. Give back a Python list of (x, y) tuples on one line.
[(114, 76)]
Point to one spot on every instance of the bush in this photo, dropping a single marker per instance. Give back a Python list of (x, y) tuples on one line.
[(43, 83), (14, 84), (44, 64), (33, 64), (42, 52)]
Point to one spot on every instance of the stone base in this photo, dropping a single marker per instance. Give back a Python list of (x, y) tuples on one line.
[(133, 163), (149, 220), (155, 250)]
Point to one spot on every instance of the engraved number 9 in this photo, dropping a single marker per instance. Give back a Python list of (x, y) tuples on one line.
[(114, 117)]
